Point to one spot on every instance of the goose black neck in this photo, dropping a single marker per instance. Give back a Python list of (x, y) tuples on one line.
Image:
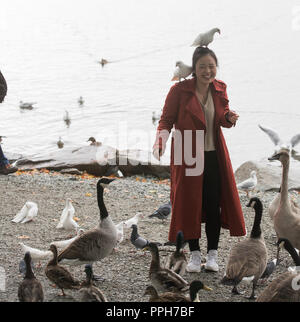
[(296, 258), (101, 205), (29, 272), (256, 231)]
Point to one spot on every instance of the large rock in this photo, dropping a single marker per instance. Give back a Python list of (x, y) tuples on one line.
[(99, 161), (269, 174)]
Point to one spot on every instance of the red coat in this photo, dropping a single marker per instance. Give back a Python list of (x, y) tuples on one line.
[(183, 110)]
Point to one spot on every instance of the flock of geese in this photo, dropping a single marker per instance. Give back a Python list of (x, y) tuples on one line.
[(247, 261)]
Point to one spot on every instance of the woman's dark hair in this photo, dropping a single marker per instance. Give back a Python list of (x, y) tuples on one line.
[(200, 52)]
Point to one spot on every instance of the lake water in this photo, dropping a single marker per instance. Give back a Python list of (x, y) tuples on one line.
[(50, 51)]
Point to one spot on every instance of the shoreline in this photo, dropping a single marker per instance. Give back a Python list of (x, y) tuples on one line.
[(126, 270)]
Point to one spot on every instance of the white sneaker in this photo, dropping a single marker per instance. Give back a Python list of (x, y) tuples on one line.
[(194, 265), (211, 261)]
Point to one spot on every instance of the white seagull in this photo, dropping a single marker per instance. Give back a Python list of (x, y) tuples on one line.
[(181, 71), (133, 220), (27, 213), (274, 136), (204, 39), (249, 184), (27, 106)]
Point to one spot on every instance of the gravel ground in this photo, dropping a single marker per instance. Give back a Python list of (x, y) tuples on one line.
[(125, 271)]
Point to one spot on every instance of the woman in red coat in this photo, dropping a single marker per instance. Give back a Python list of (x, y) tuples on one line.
[(203, 187)]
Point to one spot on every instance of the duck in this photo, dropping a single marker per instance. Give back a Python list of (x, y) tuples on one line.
[(133, 220), (286, 287), (164, 279), (80, 100), (94, 244), (67, 242), (248, 184), (194, 288), (27, 106), (162, 212), (181, 71), (94, 142), (91, 293), (67, 119), (285, 213), (60, 143), (177, 261), (248, 259), (30, 290), (28, 212), (66, 218), (204, 39)]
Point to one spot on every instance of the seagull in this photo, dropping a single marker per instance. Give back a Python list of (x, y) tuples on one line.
[(80, 100), (27, 213), (67, 119), (67, 242), (274, 136), (60, 143), (133, 221), (63, 221), (182, 71), (248, 184), (136, 240), (204, 39), (27, 106), (163, 211)]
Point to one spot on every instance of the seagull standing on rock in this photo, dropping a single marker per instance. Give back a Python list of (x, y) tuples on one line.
[(204, 39), (249, 184), (182, 71)]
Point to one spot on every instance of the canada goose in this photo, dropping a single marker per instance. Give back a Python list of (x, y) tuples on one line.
[(133, 220), (94, 142), (94, 244), (177, 261), (248, 258), (162, 212), (163, 279), (286, 287), (26, 106), (248, 184), (30, 290), (27, 213), (60, 143), (286, 217), (60, 276), (195, 287), (67, 216), (91, 293)]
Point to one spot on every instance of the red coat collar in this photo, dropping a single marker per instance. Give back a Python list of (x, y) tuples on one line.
[(190, 85)]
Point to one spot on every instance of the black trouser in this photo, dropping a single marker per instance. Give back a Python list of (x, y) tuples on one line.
[(211, 192)]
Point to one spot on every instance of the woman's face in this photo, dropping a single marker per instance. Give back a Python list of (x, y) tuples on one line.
[(205, 69)]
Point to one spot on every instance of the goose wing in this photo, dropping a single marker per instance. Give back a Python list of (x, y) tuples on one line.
[(170, 279)]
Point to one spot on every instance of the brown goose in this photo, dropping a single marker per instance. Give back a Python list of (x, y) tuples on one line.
[(94, 244), (59, 275), (286, 287), (30, 290), (163, 279), (195, 287), (91, 293), (248, 259), (177, 261)]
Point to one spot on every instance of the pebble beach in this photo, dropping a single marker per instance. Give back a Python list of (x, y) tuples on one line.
[(125, 271)]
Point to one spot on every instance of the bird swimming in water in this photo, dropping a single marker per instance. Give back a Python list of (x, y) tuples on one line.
[(80, 100), (26, 106), (60, 143), (67, 119), (93, 141)]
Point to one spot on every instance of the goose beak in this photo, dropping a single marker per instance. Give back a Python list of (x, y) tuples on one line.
[(274, 157)]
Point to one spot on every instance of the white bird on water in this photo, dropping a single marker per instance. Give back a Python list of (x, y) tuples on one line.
[(27, 106), (182, 71), (248, 184), (27, 213), (204, 39)]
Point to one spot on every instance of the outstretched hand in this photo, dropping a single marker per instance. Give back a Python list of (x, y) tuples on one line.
[(232, 117)]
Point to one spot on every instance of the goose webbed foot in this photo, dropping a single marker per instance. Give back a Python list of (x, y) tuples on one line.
[(235, 291)]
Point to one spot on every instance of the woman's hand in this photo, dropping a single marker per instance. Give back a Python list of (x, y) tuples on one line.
[(232, 117)]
